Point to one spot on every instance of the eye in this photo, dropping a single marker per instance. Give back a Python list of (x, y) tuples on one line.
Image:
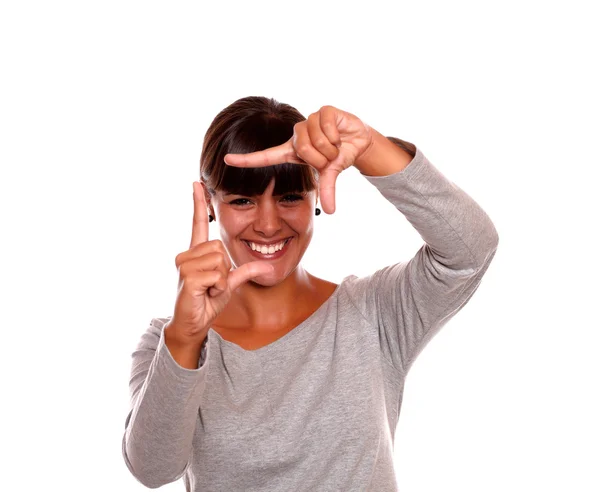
[(293, 198), (286, 198), (238, 201)]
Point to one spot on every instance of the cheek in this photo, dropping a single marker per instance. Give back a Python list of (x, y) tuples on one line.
[(231, 224), (302, 226)]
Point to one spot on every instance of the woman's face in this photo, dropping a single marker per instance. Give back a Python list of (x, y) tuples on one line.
[(266, 219)]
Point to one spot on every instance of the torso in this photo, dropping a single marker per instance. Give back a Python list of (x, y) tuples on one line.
[(250, 339)]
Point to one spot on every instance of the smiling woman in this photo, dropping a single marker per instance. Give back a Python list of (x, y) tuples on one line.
[(263, 213), (269, 378)]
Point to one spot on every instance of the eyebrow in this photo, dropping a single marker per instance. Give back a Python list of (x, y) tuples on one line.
[(228, 193)]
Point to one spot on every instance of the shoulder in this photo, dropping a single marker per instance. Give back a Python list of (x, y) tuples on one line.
[(149, 340)]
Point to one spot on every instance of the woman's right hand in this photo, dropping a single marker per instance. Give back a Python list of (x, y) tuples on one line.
[(206, 281)]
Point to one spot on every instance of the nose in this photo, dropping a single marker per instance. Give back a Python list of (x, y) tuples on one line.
[(268, 221)]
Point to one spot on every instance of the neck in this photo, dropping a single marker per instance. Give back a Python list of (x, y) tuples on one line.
[(259, 307)]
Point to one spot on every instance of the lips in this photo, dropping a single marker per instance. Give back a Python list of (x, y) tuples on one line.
[(272, 256), (270, 244)]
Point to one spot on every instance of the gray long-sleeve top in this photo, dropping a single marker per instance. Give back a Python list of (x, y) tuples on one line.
[(316, 410)]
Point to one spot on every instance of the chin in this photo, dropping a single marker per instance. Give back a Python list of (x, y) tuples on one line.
[(270, 280), (263, 283), (265, 280)]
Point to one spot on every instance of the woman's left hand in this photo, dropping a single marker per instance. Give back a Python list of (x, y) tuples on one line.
[(330, 140)]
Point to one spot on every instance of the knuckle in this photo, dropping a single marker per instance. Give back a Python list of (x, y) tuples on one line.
[(224, 260), (320, 142), (224, 253), (222, 281), (192, 284), (327, 125), (187, 285), (304, 148)]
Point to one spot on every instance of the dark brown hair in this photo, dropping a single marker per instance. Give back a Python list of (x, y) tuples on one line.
[(248, 125)]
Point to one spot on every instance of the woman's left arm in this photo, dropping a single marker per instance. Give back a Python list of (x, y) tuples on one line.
[(410, 301)]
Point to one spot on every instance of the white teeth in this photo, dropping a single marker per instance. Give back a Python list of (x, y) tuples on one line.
[(266, 249)]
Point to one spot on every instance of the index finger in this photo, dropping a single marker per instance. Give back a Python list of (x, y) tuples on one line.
[(268, 157), (200, 221)]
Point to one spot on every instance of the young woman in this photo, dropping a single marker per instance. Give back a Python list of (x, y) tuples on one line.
[(266, 377)]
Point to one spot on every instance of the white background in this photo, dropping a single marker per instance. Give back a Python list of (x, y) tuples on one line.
[(103, 111)]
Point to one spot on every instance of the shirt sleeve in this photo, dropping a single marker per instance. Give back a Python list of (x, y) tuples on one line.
[(409, 302), (165, 400)]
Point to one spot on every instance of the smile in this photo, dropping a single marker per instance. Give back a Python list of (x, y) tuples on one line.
[(266, 255)]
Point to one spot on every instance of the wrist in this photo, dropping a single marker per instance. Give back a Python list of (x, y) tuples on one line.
[(176, 337), (186, 354), (383, 157)]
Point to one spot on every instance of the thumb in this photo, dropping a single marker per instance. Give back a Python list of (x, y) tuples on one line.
[(248, 271)]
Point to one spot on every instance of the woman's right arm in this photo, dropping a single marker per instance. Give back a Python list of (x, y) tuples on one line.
[(168, 376), (165, 399)]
